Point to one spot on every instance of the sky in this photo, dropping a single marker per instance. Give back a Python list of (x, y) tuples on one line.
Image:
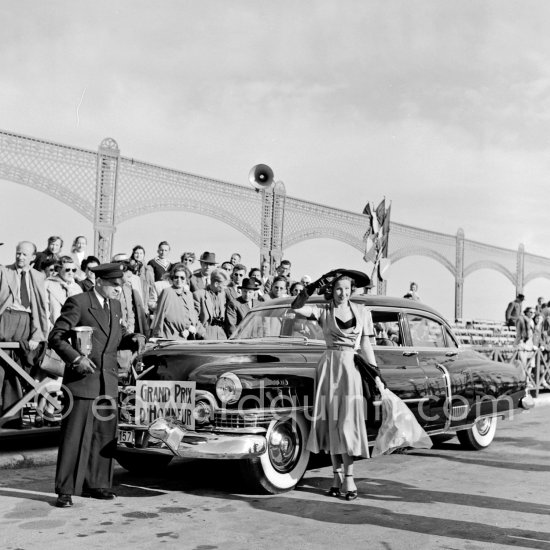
[(441, 107)]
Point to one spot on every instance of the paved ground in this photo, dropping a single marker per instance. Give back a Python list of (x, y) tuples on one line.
[(443, 498)]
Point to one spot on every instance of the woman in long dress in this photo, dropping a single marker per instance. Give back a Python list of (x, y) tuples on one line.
[(338, 425)]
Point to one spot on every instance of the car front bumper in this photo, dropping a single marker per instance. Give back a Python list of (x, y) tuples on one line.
[(184, 443)]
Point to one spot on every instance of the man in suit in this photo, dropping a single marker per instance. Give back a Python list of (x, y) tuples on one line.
[(89, 277), (236, 310), (232, 291), (88, 428), (23, 316), (201, 277)]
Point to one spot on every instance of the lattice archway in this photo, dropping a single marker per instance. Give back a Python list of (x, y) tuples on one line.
[(536, 275), (323, 233), (108, 188), (419, 251), (488, 264), (70, 197)]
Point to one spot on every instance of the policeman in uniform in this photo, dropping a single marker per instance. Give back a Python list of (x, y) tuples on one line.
[(88, 429)]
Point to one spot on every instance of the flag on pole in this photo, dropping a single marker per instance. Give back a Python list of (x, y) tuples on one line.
[(381, 212)]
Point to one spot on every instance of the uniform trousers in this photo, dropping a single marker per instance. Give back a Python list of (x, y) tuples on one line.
[(87, 448), (14, 327)]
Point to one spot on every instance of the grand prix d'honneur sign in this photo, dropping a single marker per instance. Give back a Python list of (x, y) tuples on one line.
[(165, 398)]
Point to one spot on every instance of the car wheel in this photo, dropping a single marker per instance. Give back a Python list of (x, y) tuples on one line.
[(141, 463), (285, 461), (480, 435)]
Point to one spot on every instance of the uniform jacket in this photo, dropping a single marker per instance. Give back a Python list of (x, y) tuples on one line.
[(39, 312), (85, 310)]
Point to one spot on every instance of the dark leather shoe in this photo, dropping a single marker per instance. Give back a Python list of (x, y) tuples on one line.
[(64, 501), (101, 494)]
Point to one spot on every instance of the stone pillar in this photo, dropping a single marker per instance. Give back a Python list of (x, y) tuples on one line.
[(459, 274), (520, 269), (105, 206), (273, 209)]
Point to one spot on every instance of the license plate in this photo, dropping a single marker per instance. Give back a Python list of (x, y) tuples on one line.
[(126, 436)]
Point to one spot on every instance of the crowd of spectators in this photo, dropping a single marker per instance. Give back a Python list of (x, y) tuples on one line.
[(532, 323), (163, 297), (192, 298)]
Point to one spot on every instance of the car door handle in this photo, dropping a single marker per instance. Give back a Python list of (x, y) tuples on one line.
[(451, 353), (410, 353)]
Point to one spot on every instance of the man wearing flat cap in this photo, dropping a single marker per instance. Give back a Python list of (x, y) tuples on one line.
[(237, 309), (88, 428), (201, 278)]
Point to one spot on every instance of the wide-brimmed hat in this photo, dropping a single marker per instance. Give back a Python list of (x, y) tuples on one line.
[(208, 258), (113, 271), (250, 284), (359, 278)]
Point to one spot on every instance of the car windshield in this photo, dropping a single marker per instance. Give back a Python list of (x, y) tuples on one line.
[(280, 322)]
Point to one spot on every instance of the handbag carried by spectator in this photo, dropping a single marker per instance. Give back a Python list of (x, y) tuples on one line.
[(52, 364), (399, 428)]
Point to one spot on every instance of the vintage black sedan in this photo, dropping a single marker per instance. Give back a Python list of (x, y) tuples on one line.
[(250, 397)]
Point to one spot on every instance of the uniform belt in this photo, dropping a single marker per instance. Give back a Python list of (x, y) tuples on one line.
[(341, 347), (216, 323)]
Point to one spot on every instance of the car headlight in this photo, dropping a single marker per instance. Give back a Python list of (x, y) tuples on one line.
[(229, 388), (202, 412)]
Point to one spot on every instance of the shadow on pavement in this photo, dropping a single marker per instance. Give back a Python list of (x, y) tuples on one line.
[(481, 461), (220, 481)]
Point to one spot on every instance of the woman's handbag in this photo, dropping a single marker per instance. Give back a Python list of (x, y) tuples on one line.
[(399, 427), (52, 364)]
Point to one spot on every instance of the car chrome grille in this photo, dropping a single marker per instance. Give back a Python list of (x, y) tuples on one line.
[(230, 419), (459, 412)]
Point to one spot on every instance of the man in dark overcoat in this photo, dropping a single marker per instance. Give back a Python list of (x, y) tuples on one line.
[(236, 310), (88, 429)]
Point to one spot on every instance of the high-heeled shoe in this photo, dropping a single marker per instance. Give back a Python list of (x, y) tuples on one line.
[(350, 495), (336, 491)]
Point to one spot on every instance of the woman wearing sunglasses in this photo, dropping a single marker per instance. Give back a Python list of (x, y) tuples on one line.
[(176, 317), (59, 286)]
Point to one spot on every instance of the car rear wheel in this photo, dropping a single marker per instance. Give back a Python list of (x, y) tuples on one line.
[(284, 463), (140, 463), (480, 435)]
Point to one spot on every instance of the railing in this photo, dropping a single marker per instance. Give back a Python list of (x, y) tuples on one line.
[(36, 390), (535, 363)]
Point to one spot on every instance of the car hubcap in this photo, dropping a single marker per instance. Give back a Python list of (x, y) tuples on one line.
[(284, 447), (483, 426)]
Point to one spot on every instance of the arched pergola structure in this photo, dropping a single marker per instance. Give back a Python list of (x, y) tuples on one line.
[(107, 189)]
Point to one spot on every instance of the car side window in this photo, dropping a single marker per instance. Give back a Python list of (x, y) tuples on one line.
[(425, 332), (387, 330), (451, 340)]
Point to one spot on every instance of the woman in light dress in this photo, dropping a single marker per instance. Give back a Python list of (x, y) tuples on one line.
[(338, 425)]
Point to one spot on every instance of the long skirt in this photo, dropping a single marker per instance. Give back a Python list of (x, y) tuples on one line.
[(338, 424)]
